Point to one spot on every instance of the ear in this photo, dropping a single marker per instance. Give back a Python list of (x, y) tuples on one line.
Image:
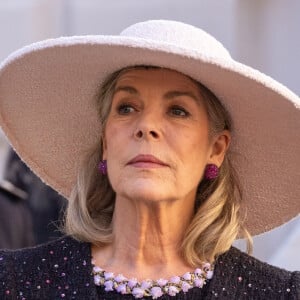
[(104, 147), (220, 145)]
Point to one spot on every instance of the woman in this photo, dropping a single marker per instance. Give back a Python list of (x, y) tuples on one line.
[(154, 201)]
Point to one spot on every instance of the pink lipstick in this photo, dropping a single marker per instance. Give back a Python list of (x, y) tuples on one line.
[(146, 161)]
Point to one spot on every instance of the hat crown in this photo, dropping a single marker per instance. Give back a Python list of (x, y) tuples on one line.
[(178, 34)]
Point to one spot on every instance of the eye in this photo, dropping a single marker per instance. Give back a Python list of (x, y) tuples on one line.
[(125, 109), (179, 111)]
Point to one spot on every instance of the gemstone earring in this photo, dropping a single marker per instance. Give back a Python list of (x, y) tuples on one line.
[(102, 167), (211, 172)]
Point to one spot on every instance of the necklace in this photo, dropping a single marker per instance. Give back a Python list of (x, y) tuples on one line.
[(153, 288)]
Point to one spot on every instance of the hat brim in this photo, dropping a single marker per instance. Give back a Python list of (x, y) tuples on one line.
[(47, 111)]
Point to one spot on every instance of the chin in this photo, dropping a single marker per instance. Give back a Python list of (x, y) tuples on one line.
[(147, 192), (148, 195), (144, 186)]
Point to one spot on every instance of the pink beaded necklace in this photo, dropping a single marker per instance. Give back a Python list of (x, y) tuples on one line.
[(153, 288)]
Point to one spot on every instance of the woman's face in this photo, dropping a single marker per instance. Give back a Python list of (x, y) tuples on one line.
[(156, 139)]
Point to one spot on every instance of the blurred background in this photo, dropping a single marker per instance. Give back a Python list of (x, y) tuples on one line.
[(264, 34)]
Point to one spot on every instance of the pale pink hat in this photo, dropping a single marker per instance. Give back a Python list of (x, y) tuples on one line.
[(47, 108)]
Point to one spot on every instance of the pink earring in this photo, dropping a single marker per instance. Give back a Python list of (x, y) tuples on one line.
[(102, 167), (211, 172)]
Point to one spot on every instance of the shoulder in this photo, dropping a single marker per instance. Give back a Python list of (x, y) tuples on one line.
[(45, 269), (51, 251), (245, 276)]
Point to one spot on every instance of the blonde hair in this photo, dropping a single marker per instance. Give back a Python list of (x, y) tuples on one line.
[(216, 222)]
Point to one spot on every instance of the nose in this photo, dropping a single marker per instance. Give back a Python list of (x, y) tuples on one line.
[(141, 134), (147, 127)]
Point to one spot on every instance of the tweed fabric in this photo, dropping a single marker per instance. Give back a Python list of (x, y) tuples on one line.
[(63, 270)]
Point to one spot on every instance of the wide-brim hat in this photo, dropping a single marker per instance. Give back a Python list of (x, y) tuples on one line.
[(47, 108)]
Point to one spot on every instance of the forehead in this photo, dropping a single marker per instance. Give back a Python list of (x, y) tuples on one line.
[(169, 79)]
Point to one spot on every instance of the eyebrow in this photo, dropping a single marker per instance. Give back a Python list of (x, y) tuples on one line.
[(168, 95), (174, 94), (128, 89)]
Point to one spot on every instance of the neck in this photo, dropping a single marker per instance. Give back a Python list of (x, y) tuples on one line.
[(147, 238)]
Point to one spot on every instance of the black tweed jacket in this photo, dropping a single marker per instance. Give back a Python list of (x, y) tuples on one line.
[(62, 270)]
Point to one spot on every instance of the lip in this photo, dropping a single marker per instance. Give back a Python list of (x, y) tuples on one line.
[(146, 161)]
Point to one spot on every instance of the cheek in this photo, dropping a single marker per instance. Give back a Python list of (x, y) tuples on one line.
[(195, 153), (112, 155), (192, 144), (115, 136)]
